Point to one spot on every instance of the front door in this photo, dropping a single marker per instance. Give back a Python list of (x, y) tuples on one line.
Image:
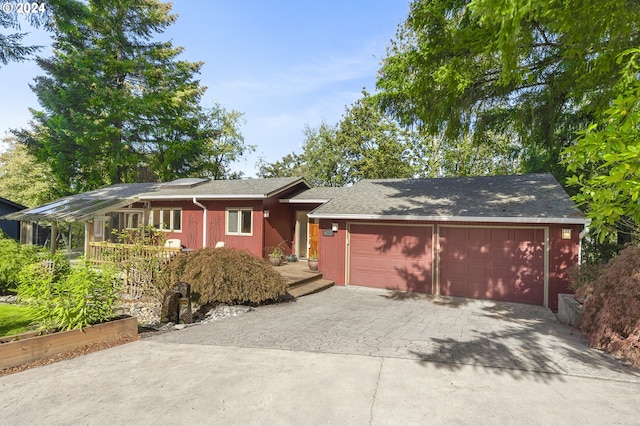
[(313, 238)]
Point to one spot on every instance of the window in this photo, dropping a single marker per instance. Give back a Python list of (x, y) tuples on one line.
[(166, 219), (132, 220), (240, 221)]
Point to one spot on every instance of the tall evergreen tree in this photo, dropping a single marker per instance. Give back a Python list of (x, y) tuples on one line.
[(115, 101)]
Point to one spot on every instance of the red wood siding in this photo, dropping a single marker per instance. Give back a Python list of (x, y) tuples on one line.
[(279, 226), (492, 263), (562, 255), (331, 251), (391, 257)]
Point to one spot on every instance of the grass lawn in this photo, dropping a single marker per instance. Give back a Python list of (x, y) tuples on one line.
[(14, 319)]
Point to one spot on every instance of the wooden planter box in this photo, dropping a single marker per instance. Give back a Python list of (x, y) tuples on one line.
[(29, 347)]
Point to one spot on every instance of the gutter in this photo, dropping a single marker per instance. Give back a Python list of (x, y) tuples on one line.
[(485, 219), (204, 221), (582, 234)]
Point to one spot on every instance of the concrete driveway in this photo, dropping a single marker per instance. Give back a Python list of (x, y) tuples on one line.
[(344, 356)]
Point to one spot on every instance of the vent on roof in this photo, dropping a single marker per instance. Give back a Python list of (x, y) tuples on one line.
[(185, 183)]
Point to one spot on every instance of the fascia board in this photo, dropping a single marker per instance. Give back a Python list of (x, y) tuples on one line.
[(561, 220), (204, 197)]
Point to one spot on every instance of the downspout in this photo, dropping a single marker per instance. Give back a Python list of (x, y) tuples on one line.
[(204, 221), (582, 234)]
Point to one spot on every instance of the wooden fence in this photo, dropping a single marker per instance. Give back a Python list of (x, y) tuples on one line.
[(138, 264)]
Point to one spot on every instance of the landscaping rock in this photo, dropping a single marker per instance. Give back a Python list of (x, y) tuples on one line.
[(10, 298)]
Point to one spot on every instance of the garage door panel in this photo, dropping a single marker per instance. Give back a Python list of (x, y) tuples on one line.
[(393, 257), (508, 265)]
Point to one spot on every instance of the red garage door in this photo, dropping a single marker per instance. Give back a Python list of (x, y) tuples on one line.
[(392, 257), (492, 263)]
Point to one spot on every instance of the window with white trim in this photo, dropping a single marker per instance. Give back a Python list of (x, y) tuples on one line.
[(166, 219), (239, 221), (132, 220)]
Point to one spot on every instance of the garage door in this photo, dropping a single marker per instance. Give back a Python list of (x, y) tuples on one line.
[(391, 257), (492, 263)]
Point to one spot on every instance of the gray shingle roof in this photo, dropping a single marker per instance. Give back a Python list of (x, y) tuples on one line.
[(84, 206), (223, 189), (515, 198), (315, 195)]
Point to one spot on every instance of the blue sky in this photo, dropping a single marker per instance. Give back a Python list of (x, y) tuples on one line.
[(284, 64)]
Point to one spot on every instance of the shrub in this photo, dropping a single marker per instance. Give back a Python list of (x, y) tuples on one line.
[(13, 257), (62, 297), (225, 275), (611, 317)]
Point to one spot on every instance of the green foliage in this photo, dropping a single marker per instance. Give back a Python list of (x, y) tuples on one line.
[(14, 319), (506, 75), (223, 141), (605, 159), (64, 297), (611, 315), (226, 275), (141, 255), (22, 179), (118, 105), (13, 257)]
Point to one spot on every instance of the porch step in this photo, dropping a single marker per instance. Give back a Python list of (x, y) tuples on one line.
[(314, 285)]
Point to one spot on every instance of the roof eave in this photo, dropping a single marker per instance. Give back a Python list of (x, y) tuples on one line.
[(560, 220), (153, 197), (305, 201), (288, 186)]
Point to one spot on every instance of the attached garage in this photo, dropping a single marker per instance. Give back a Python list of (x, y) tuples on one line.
[(391, 256), (496, 263), (507, 238)]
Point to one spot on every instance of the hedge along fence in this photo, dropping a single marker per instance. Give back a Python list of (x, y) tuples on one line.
[(225, 275)]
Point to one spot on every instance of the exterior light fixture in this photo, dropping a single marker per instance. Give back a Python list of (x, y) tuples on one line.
[(266, 213), (334, 226), (566, 233)]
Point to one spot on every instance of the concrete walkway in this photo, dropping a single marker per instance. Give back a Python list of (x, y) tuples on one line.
[(344, 356)]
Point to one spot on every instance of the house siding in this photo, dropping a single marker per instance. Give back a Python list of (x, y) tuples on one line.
[(10, 227), (563, 254)]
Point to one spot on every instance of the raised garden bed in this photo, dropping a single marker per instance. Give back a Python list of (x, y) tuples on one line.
[(28, 347)]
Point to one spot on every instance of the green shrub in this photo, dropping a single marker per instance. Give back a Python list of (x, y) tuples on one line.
[(225, 275), (13, 257), (62, 297), (611, 315)]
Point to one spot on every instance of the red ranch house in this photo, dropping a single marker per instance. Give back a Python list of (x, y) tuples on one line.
[(509, 238)]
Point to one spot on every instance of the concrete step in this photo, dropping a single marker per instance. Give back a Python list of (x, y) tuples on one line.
[(310, 287)]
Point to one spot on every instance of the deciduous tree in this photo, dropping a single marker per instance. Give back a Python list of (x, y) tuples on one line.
[(532, 73), (22, 179)]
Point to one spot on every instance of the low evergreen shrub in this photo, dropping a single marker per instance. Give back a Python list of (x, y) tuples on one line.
[(611, 316), (225, 275)]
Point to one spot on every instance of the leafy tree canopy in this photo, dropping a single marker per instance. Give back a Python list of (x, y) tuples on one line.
[(22, 179), (605, 161), (530, 72)]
